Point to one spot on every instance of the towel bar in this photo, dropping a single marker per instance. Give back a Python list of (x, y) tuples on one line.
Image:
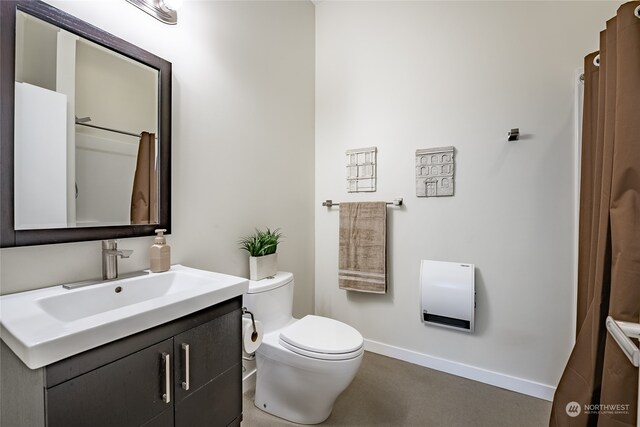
[(329, 203), (621, 332)]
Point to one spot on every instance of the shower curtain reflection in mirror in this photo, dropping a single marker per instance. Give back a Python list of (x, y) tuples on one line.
[(144, 197)]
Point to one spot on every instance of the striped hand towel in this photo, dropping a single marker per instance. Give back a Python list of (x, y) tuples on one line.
[(362, 264)]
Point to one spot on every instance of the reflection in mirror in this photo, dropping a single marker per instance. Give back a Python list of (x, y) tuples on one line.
[(86, 128)]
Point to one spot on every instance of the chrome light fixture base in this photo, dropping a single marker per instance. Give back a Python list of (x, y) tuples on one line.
[(157, 9)]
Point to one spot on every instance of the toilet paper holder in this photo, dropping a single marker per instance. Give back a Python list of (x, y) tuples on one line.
[(254, 334)]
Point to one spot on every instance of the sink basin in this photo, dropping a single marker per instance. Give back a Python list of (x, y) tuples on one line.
[(51, 324), (96, 299)]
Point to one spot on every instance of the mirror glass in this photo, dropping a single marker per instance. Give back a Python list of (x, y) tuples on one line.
[(86, 132)]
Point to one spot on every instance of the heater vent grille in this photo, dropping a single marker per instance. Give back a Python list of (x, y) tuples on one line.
[(444, 320)]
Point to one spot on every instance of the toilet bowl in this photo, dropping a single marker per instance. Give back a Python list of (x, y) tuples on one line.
[(302, 364)]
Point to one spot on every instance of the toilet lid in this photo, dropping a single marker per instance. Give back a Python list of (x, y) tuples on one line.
[(318, 334)]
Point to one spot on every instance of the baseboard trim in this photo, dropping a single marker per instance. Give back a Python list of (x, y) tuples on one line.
[(520, 385)]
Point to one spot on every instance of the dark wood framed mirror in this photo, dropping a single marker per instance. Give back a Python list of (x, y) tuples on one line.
[(80, 222)]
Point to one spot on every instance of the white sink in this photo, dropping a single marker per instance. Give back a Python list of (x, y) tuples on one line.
[(51, 324)]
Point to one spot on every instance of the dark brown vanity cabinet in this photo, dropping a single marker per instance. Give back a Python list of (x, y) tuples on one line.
[(185, 373)]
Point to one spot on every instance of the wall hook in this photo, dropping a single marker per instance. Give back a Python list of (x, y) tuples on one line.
[(513, 134)]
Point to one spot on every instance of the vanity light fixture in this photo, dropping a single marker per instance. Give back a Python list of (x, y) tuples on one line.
[(162, 10)]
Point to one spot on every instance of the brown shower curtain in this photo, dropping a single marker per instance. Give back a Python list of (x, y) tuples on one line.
[(598, 373), (144, 197)]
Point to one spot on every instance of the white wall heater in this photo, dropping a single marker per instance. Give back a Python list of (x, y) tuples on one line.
[(448, 294)]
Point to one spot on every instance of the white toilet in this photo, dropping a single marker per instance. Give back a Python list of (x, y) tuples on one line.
[(302, 364)]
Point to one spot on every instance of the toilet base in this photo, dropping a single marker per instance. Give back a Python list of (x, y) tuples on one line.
[(277, 411), (302, 394)]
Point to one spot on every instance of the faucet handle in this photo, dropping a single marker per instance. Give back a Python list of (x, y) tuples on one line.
[(125, 253)]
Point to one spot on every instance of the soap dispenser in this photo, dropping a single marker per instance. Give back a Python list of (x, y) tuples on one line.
[(160, 253)]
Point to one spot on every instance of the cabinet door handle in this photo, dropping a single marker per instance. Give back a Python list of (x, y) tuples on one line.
[(166, 396), (185, 357)]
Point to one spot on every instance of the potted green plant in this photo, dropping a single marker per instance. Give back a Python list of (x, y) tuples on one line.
[(262, 246)]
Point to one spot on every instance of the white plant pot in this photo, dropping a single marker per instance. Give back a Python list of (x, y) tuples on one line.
[(263, 266)]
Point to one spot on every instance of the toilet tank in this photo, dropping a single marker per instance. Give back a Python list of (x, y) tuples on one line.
[(271, 300)]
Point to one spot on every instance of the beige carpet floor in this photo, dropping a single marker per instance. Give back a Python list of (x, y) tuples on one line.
[(389, 392)]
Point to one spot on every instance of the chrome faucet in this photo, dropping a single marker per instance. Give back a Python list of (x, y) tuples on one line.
[(110, 254)]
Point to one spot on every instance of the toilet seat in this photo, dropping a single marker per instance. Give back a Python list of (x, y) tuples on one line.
[(322, 338)]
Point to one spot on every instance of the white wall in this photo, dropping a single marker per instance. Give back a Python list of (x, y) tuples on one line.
[(409, 75), (243, 150)]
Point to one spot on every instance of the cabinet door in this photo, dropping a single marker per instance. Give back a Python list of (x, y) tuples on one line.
[(127, 392), (206, 351), (212, 364), (217, 404)]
